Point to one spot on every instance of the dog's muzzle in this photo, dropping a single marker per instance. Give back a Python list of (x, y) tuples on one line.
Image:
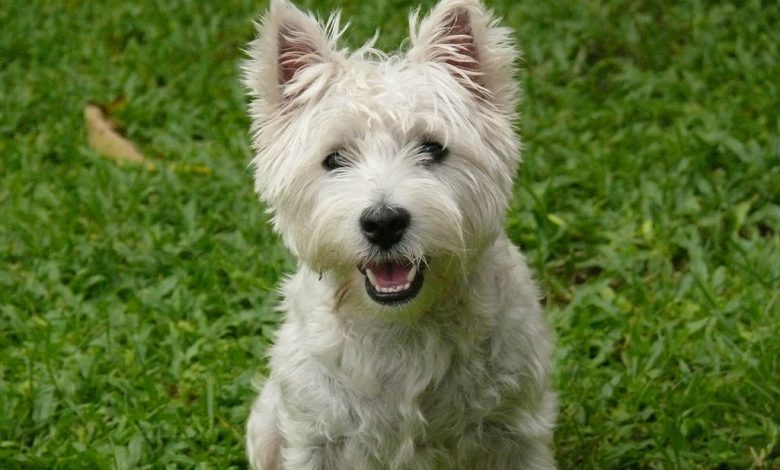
[(392, 283)]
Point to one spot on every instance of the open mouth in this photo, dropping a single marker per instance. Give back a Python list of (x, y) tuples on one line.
[(392, 284)]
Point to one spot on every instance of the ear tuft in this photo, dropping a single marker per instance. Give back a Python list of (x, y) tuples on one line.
[(296, 50), (454, 45), (464, 38), (289, 42)]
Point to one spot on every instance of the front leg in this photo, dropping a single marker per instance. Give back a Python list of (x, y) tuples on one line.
[(263, 439), (316, 452), (502, 449), (301, 447), (267, 449), (522, 442), (307, 458)]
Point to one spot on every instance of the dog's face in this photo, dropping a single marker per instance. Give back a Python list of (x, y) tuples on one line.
[(390, 173)]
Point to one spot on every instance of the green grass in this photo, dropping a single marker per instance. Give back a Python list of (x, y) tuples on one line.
[(135, 303)]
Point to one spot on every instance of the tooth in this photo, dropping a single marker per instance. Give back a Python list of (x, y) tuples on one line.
[(371, 278), (412, 272), (407, 286)]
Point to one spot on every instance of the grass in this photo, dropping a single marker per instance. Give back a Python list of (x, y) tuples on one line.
[(136, 303)]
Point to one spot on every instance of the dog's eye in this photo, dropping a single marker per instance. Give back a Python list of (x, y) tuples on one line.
[(334, 161), (435, 150)]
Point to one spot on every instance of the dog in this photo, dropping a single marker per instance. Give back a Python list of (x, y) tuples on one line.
[(413, 335)]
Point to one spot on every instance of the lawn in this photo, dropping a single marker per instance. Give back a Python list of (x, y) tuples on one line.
[(136, 301)]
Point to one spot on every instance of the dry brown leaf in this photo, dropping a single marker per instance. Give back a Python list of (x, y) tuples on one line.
[(103, 137)]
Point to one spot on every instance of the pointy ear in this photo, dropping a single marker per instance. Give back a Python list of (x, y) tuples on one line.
[(291, 53), (464, 38)]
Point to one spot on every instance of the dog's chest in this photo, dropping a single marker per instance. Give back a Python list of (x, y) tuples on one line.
[(429, 398)]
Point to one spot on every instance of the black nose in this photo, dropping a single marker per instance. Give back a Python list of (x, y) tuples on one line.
[(385, 226)]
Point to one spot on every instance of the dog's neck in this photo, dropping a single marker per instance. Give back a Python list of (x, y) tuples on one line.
[(373, 352)]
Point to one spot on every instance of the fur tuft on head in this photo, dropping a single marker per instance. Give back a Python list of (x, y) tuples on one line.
[(292, 54), (464, 38)]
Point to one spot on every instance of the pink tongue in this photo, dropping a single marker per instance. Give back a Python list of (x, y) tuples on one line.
[(390, 275)]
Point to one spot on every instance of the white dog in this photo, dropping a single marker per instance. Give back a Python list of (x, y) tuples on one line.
[(413, 336)]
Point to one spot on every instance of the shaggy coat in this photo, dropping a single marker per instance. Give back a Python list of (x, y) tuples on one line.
[(454, 374)]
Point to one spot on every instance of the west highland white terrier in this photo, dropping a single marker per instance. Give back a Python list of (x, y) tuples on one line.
[(413, 336)]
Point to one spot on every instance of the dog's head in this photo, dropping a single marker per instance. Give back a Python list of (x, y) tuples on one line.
[(391, 173)]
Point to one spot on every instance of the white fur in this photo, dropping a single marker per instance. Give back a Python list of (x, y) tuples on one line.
[(458, 377)]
